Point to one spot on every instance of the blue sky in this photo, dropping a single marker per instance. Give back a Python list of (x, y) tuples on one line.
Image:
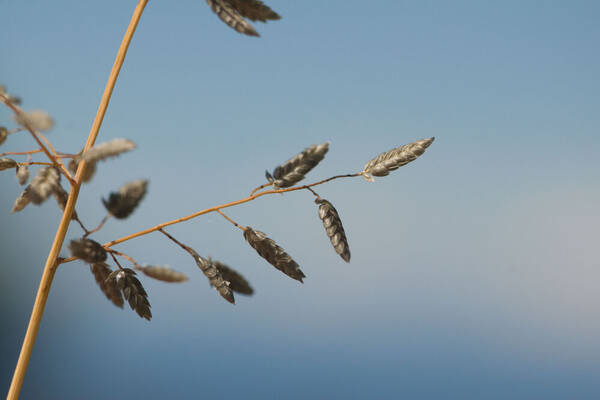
[(474, 270)]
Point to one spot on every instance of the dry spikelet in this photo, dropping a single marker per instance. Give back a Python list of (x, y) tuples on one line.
[(133, 291), (109, 287), (232, 12), (274, 254), (61, 196), (22, 201), (214, 276), (88, 174), (294, 169), (22, 174), (108, 149), (237, 282), (88, 250), (164, 274), (37, 119), (7, 163), (43, 184), (3, 134), (395, 158), (334, 228), (122, 203)]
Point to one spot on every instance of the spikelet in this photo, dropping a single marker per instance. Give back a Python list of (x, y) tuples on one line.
[(274, 254), (7, 163), (133, 291), (237, 282), (214, 277), (3, 134), (164, 274), (88, 250), (61, 196), (43, 184), (334, 228), (22, 174), (294, 169), (22, 201), (88, 174), (37, 119), (101, 271), (105, 150), (395, 158), (122, 203), (232, 12)]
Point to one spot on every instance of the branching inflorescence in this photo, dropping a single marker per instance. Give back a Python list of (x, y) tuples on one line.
[(119, 283)]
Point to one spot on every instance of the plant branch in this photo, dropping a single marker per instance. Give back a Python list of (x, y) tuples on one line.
[(213, 209), (230, 220), (52, 261), (36, 135)]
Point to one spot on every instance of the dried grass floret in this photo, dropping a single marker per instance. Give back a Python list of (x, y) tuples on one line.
[(214, 276), (275, 255), (334, 228), (43, 184), (109, 287), (7, 163), (133, 291), (37, 119), (61, 196), (22, 174), (3, 134), (232, 12), (237, 282), (88, 174), (88, 250), (164, 274), (395, 158), (105, 150), (22, 201), (122, 203), (294, 169)]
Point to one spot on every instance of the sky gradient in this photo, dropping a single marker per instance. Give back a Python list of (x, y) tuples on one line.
[(474, 270)]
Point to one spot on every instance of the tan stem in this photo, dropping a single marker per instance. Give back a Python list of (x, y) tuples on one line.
[(51, 262)]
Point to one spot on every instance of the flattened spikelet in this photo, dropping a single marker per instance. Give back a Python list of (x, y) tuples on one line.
[(214, 276), (88, 250), (237, 282), (22, 174), (3, 134), (37, 120), (233, 12), (108, 149), (334, 228), (109, 287), (133, 291), (88, 174), (43, 184), (61, 196), (164, 274), (7, 163), (122, 203), (294, 169), (395, 158), (274, 254), (22, 201), (228, 15)]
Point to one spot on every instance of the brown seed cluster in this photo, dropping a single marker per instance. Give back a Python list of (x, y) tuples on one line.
[(334, 228), (109, 287), (133, 291), (237, 282), (294, 169), (274, 254), (88, 250), (233, 12), (164, 274), (122, 203), (395, 158)]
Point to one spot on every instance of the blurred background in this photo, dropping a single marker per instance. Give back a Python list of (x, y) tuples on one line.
[(474, 270)]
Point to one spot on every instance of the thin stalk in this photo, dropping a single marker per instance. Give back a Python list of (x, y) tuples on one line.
[(52, 260), (212, 209), (230, 220)]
